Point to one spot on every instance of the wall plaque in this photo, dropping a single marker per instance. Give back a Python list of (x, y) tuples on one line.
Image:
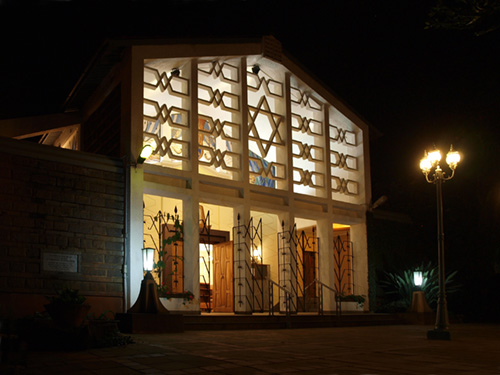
[(60, 262)]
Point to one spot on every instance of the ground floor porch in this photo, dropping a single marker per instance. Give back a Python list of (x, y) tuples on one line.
[(264, 260)]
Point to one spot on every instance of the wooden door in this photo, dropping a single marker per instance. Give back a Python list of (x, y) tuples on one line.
[(310, 272), (223, 277), (307, 245)]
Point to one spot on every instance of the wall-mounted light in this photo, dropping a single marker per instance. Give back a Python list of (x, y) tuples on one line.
[(146, 152), (175, 72), (256, 69)]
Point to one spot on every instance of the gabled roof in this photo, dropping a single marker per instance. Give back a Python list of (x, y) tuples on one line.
[(113, 51)]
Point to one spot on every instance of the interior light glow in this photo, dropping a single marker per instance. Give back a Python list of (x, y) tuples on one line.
[(257, 254)]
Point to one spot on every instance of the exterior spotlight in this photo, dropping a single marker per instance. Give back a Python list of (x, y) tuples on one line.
[(175, 72), (146, 152), (256, 69)]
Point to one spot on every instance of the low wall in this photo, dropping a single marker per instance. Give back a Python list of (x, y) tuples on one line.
[(61, 225)]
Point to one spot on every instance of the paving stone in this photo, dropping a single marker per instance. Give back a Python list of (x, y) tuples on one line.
[(380, 350)]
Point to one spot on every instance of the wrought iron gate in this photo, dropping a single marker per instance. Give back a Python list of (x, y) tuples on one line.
[(249, 285), (343, 262), (287, 266), (169, 262), (206, 263)]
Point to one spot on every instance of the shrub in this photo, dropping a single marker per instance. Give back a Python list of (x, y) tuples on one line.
[(402, 286)]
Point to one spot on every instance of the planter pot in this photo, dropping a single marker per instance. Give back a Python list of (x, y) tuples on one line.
[(67, 314), (351, 306), (179, 305)]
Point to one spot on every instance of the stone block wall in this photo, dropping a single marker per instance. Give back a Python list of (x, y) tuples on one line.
[(61, 225)]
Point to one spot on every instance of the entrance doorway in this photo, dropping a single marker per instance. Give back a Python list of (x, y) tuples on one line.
[(216, 258), (223, 277)]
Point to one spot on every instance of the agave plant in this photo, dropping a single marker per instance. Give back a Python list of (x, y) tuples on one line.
[(402, 285)]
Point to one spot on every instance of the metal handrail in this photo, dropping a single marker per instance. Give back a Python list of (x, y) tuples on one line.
[(258, 272), (320, 299), (305, 291), (271, 298), (311, 284)]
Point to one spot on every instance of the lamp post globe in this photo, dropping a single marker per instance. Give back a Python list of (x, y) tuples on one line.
[(435, 175)]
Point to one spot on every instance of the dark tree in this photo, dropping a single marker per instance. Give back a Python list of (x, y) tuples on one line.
[(478, 16)]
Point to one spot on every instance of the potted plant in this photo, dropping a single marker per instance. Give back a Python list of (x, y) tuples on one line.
[(187, 295), (175, 231), (67, 308)]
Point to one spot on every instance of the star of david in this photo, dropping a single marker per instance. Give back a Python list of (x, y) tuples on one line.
[(275, 120)]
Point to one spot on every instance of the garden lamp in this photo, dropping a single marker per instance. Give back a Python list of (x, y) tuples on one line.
[(148, 300), (418, 278), (148, 259)]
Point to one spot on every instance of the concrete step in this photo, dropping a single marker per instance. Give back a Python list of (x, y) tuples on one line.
[(278, 321)]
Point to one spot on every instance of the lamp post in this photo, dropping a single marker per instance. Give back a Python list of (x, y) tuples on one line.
[(430, 163)]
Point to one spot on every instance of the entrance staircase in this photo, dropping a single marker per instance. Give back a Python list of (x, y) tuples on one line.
[(206, 322), (205, 297), (309, 304)]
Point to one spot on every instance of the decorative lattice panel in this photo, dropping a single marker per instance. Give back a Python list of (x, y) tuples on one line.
[(219, 119), (166, 113), (218, 136), (345, 152), (308, 148)]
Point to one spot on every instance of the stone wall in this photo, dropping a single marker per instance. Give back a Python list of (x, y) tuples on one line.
[(61, 225)]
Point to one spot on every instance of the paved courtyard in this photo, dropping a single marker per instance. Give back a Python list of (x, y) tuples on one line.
[(474, 349)]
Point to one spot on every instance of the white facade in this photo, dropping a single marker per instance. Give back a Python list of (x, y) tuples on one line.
[(243, 132)]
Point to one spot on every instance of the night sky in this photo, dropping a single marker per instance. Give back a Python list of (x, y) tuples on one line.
[(416, 87)]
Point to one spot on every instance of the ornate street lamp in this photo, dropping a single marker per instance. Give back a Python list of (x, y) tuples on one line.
[(430, 163)]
